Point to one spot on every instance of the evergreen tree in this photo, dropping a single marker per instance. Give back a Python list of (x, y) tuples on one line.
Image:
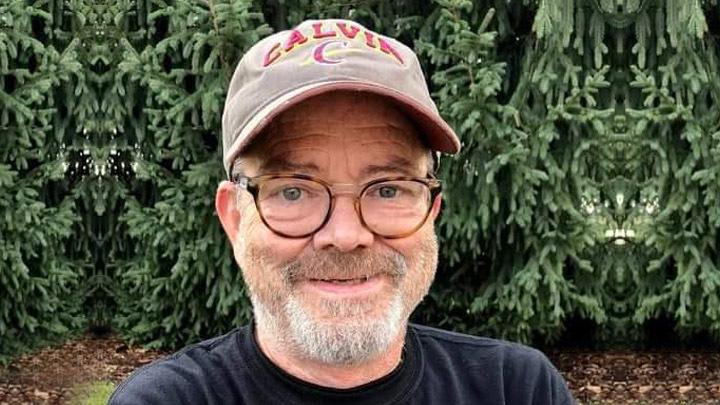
[(514, 217), (39, 274), (587, 187), (180, 283), (677, 116)]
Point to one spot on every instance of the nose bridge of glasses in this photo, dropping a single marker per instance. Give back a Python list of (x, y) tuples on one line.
[(337, 189)]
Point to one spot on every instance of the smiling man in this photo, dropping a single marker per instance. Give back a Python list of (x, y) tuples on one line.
[(329, 145)]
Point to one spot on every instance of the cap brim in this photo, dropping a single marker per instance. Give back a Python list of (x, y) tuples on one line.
[(438, 134)]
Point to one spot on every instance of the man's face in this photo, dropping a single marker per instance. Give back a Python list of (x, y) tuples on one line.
[(343, 294)]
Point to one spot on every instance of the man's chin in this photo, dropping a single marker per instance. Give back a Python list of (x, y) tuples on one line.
[(344, 331)]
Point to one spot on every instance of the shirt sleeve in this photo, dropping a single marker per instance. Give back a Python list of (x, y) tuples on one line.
[(155, 384), (557, 391), (541, 382)]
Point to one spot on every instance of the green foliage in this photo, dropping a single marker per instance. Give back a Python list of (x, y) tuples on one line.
[(587, 187), (680, 94), (181, 282), (38, 278), (513, 192)]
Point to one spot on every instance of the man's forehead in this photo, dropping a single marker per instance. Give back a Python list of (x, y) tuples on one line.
[(315, 152), (337, 126), (305, 135), (360, 118), (317, 164)]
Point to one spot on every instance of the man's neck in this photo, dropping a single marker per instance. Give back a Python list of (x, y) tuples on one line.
[(329, 375)]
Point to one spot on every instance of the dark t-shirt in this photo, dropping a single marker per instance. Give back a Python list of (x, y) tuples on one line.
[(437, 367)]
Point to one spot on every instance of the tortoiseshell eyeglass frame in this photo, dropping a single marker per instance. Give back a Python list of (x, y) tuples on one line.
[(253, 185)]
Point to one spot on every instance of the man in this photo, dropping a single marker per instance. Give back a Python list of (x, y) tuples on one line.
[(329, 138)]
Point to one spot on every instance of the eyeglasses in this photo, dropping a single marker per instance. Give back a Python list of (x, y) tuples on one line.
[(298, 205)]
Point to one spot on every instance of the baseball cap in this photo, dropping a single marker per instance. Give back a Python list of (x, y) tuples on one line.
[(320, 56)]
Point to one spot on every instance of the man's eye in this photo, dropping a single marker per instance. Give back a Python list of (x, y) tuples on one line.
[(291, 193), (387, 192)]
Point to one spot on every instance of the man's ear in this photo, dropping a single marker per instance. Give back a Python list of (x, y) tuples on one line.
[(227, 210), (436, 206)]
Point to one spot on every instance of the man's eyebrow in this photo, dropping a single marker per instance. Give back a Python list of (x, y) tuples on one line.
[(279, 164), (397, 164)]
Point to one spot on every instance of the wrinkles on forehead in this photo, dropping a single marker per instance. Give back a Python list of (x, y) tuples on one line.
[(322, 156), (296, 163), (307, 134), (359, 132), (308, 161)]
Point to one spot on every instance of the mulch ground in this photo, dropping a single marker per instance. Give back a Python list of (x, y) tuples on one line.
[(48, 376), (659, 377)]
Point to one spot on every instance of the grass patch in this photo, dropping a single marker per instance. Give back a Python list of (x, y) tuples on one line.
[(94, 393)]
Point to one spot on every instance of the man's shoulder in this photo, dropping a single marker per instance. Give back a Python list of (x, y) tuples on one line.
[(476, 344), (510, 359), (206, 351), (212, 345), (507, 371), (185, 370)]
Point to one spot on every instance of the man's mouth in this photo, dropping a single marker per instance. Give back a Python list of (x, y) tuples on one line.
[(345, 287), (345, 281)]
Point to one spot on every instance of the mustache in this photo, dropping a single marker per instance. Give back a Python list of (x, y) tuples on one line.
[(333, 264)]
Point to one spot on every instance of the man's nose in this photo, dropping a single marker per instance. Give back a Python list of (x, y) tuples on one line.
[(344, 229)]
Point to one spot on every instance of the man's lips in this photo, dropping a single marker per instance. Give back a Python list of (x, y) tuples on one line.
[(343, 280), (346, 286)]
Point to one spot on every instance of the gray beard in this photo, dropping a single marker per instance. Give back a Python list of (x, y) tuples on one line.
[(355, 339), (344, 331)]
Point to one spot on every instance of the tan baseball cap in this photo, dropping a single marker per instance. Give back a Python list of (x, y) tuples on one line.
[(319, 56)]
